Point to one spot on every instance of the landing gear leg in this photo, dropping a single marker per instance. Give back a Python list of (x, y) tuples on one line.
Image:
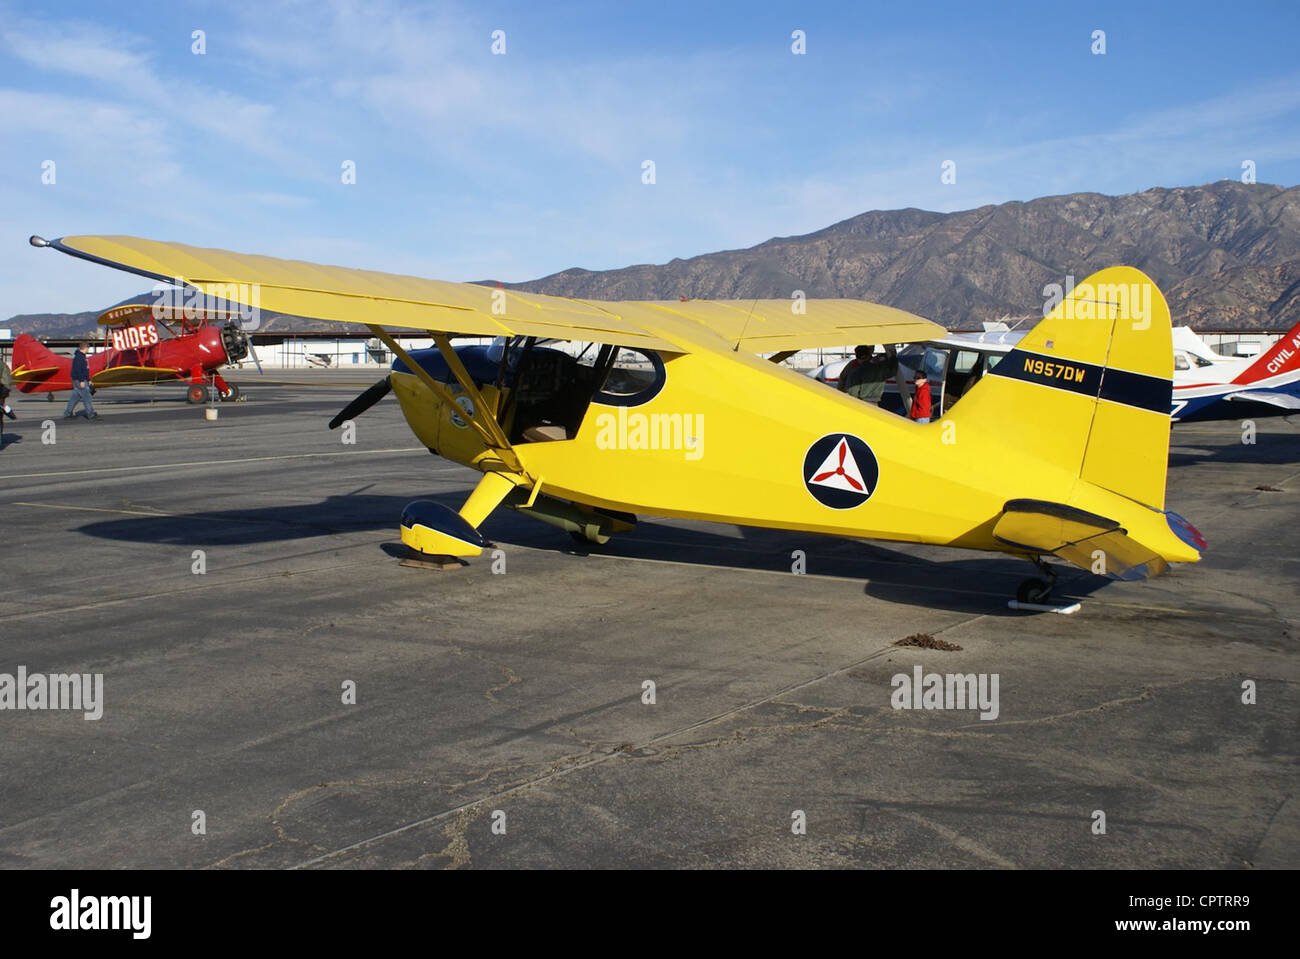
[(436, 534), (1035, 589), (1035, 594)]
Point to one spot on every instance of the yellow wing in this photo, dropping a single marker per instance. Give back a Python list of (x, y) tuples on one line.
[(767, 326), (133, 375), (301, 289)]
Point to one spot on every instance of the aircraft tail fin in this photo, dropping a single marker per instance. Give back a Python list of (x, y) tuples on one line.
[(1089, 388), (34, 363), (31, 353), (1282, 357)]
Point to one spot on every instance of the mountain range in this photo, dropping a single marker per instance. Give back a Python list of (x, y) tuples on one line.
[(1226, 255)]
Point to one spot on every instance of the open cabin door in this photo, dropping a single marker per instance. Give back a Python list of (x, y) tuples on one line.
[(548, 388)]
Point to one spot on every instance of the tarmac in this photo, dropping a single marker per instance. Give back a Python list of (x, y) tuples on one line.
[(501, 716)]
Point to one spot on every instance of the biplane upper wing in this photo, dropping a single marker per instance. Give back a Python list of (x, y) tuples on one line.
[(298, 288), (132, 311), (144, 307)]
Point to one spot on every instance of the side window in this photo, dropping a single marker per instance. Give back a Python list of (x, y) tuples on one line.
[(1180, 362), (965, 361), (634, 378), (936, 365)]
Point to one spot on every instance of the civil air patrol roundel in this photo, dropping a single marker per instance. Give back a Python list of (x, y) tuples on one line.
[(840, 471)]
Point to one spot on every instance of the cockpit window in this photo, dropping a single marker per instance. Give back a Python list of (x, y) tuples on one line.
[(1180, 362), (634, 378)]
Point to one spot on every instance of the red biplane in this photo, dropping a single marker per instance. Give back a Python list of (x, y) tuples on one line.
[(145, 343)]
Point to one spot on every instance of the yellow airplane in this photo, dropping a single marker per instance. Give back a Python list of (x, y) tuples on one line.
[(671, 411)]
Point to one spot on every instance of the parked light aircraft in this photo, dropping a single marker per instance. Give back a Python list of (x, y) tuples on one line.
[(144, 343), (1207, 385), (1060, 451)]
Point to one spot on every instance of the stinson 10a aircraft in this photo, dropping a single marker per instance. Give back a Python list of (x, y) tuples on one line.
[(1060, 451)]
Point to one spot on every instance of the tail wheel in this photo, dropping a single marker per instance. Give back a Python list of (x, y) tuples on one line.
[(595, 539), (230, 395), (1033, 591), (196, 394)]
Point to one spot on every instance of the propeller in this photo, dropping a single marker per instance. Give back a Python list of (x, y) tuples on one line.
[(362, 403), (253, 353)]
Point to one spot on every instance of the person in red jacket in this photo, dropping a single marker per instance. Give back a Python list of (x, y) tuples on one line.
[(920, 411)]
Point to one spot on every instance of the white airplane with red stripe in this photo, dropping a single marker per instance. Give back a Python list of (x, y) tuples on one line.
[(1207, 385)]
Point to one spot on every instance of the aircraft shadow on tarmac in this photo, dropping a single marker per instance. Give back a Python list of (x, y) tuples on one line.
[(1268, 449), (972, 582), (9, 439), (268, 524), (976, 583), (1207, 443)]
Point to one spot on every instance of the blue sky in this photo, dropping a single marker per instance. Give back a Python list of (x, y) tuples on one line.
[(471, 165)]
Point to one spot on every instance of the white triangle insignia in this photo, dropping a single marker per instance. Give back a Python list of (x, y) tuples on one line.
[(840, 471)]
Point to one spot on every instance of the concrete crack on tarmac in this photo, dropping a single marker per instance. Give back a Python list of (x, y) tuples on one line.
[(567, 765), (1146, 694), (957, 839)]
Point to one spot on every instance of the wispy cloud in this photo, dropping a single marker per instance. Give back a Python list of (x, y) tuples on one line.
[(471, 165)]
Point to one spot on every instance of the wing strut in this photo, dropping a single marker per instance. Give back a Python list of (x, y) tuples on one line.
[(485, 425)]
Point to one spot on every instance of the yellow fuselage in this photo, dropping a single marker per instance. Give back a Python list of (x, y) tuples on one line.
[(753, 423)]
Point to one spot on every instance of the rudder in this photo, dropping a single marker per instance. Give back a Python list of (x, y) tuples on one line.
[(1090, 386)]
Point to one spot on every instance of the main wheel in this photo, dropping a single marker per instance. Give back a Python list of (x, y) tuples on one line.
[(196, 394), (1033, 591), (232, 395)]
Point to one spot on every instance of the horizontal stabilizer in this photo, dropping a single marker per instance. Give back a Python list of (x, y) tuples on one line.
[(22, 375), (1284, 400), (1085, 539)]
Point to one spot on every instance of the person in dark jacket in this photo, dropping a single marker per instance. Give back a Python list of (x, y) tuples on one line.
[(6, 381), (851, 375), (5, 409), (865, 376), (80, 384)]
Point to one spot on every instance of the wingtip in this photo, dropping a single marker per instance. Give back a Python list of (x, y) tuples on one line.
[(38, 241)]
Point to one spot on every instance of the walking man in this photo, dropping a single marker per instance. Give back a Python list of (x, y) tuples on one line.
[(80, 384)]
